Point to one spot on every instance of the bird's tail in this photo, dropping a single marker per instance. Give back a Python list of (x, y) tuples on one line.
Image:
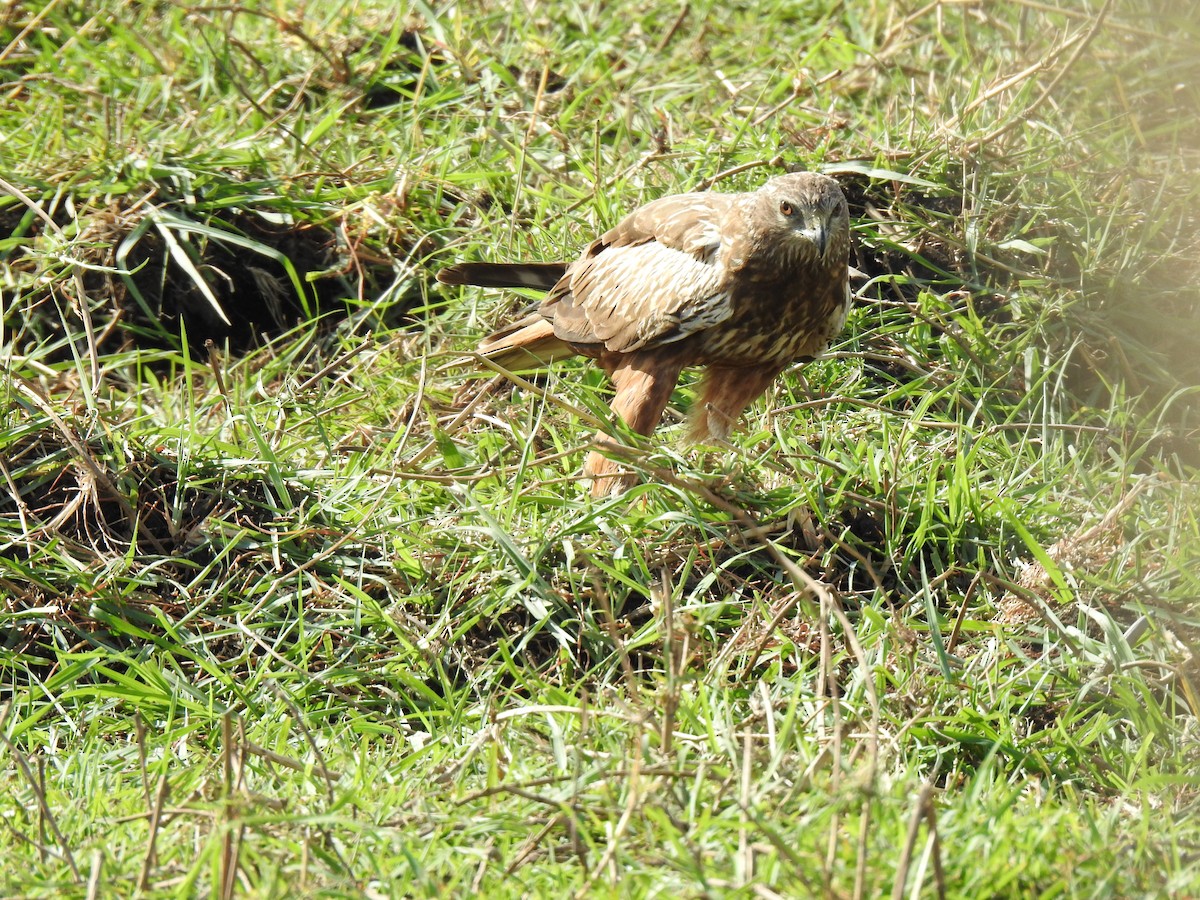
[(529, 343), (537, 276)]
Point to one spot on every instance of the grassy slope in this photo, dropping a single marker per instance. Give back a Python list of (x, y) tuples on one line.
[(288, 615)]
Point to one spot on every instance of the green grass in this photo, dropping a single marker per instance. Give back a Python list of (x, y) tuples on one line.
[(281, 617)]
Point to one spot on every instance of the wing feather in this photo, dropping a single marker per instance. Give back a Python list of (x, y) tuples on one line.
[(687, 222), (655, 278)]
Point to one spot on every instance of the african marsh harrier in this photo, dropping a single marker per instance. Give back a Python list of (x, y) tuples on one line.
[(743, 284)]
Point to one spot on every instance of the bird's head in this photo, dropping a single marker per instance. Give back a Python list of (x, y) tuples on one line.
[(807, 213)]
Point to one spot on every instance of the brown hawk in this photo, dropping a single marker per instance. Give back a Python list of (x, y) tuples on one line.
[(743, 284)]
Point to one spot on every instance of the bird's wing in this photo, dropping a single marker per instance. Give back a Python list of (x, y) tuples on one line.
[(655, 278), (687, 222)]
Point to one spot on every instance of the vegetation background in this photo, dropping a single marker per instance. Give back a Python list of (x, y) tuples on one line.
[(292, 606)]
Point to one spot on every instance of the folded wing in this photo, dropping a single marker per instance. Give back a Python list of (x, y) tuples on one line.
[(655, 278)]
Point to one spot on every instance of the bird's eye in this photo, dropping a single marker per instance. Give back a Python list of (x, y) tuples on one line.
[(786, 208)]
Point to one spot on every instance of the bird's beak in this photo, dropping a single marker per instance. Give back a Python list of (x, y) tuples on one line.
[(818, 232)]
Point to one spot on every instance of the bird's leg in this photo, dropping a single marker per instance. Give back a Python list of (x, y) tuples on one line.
[(726, 394), (643, 383)]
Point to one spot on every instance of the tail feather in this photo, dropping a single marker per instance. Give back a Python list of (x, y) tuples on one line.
[(529, 343), (537, 276)]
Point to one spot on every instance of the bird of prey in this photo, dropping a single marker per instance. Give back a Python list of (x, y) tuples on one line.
[(743, 284)]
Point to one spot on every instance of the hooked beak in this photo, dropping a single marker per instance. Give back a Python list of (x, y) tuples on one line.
[(818, 233), (821, 238)]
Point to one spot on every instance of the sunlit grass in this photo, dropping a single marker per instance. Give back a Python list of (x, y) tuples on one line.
[(290, 607)]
